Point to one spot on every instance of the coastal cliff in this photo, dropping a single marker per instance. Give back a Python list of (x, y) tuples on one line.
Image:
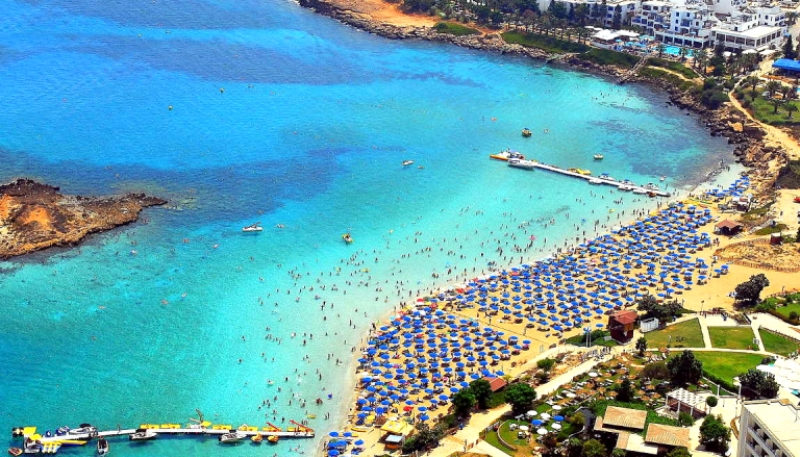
[(36, 216)]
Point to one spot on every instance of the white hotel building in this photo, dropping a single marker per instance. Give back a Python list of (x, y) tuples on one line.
[(769, 429)]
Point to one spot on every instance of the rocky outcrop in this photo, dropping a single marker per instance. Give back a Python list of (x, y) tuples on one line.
[(36, 216)]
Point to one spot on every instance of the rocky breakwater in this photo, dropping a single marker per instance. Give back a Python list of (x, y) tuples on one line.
[(350, 15), (36, 216)]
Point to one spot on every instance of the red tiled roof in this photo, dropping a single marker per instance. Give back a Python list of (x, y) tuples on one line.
[(728, 224), (496, 383), (625, 317)]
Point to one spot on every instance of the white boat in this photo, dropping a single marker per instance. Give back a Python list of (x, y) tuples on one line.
[(625, 188), (407, 162), (507, 155), (606, 177), (599, 157), (143, 435), (102, 447), (595, 181), (640, 191), (522, 163), (232, 437), (253, 228), (651, 186), (84, 429), (663, 178)]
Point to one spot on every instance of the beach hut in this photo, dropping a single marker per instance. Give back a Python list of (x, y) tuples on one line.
[(621, 324), (728, 227)]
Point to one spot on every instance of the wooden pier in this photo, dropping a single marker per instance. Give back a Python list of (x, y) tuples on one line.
[(600, 181), (49, 443)]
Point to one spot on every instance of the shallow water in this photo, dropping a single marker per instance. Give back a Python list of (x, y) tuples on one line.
[(309, 132)]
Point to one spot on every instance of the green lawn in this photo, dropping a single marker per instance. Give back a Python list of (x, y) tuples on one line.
[(777, 344), (764, 111), (548, 43), (731, 337), (786, 310), (455, 29), (686, 334), (491, 438), (727, 365)]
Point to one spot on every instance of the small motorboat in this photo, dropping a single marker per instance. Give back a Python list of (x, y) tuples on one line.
[(102, 447), (347, 238), (599, 157), (231, 437), (15, 451), (595, 181), (507, 154), (663, 178), (253, 228), (257, 439), (522, 163), (625, 188), (84, 429), (526, 132), (606, 177), (407, 162), (143, 435)]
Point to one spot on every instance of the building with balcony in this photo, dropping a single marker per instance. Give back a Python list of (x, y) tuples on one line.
[(769, 429)]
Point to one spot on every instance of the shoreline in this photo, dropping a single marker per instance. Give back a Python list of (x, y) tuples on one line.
[(754, 147), (750, 140)]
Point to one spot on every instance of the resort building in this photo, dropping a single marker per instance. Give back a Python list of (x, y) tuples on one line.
[(769, 428), (628, 425), (682, 23)]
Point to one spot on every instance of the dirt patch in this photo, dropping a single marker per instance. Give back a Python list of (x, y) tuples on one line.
[(780, 257)]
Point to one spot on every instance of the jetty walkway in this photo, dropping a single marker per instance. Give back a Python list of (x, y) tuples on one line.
[(608, 182)]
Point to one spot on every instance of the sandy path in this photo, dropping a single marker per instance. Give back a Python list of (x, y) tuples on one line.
[(388, 13)]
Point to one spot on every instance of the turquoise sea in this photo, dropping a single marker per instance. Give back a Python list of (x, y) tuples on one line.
[(281, 116)]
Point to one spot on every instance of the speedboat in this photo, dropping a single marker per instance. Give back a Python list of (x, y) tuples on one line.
[(507, 154), (347, 238), (407, 162), (599, 157), (253, 228), (84, 429), (663, 178), (526, 132), (232, 437), (102, 446), (143, 435), (640, 191), (595, 181), (522, 163), (606, 177), (624, 188)]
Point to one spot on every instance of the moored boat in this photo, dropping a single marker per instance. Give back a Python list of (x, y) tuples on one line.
[(232, 437), (526, 132), (522, 163), (599, 157), (102, 447), (15, 451), (256, 439), (273, 439), (625, 188), (142, 435), (606, 177), (507, 154), (253, 228), (595, 181)]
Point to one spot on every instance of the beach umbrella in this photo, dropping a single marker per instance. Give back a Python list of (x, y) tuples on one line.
[(424, 417), (537, 422), (333, 434)]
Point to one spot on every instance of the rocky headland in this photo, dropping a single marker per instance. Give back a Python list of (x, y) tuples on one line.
[(36, 216)]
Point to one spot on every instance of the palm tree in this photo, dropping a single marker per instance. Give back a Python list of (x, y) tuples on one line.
[(683, 52), (772, 88), (753, 82), (701, 60), (583, 33), (776, 102), (790, 108), (785, 91), (660, 49)]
